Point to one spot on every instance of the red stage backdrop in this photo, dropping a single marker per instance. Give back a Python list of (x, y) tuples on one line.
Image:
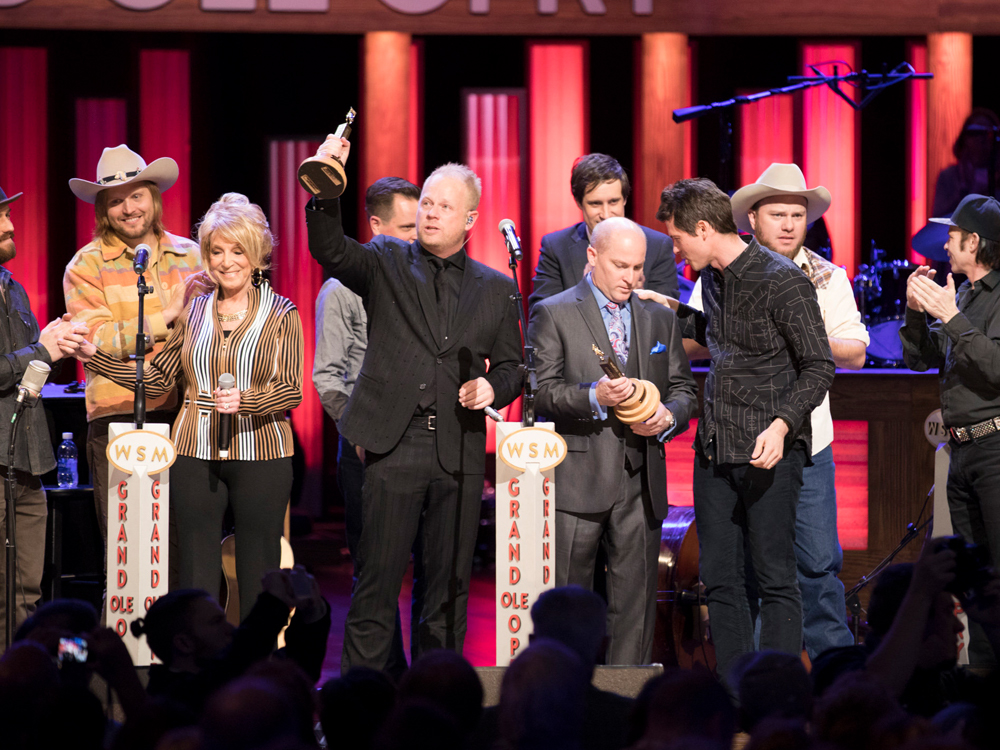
[(297, 276), (494, 149), (831, 145), (24, 167), (100, 124), (765, 136), (165, 126), (917, 206)]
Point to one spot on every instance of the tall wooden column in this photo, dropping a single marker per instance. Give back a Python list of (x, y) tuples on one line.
[(949, 93), (662, 147), (384, 115)]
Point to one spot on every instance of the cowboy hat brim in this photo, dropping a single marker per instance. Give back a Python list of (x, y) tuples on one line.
[(818, 200), (11, 199), (163, 173)]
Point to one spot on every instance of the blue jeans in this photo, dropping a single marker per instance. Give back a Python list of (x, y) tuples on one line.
[(746, 517), (819, 557)]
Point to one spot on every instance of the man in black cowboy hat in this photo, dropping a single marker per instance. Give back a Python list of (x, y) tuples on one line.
[(20, 342), (964, 342), (100, 289)]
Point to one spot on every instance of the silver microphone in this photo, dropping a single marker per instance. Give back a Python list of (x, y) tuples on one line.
[(30, 387), (226, 381), (509, 233)]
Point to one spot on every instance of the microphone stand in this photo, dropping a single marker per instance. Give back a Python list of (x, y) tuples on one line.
[(10, 483), (530, 377), (139, 404)]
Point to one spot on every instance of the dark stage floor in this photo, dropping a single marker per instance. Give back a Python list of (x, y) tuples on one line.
[(324, 553)]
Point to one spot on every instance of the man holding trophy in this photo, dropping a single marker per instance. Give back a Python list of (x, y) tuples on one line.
[(612, 484)]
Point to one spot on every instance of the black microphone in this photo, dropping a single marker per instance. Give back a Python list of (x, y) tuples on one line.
[(34, 378), (510, 237), (141, 259), (226, 381)]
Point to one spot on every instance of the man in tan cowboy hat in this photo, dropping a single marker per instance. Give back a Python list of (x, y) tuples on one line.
[(100, 288), (777, 209), (21, 341)]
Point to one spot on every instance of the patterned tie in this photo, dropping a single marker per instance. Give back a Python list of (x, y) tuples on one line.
[(616, 332)]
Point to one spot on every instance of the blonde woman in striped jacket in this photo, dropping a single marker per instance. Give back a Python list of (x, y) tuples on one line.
[(243, 328)]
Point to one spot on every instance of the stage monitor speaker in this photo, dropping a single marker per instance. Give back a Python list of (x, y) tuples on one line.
[(627, 681)]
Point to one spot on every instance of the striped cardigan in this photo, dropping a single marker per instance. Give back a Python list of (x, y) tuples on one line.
[(264, 354)]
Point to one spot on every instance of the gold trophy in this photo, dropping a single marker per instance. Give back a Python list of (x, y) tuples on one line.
[(325, 178), (645, 398)]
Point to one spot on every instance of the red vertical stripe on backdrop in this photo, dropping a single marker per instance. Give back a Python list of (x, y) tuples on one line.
[(298, 277), (494, 150), (100, 124), (850, 454), (415, 156), (916, 145), (766, 136), (165, 126), (557, 135), (24, 167), (831, 145)]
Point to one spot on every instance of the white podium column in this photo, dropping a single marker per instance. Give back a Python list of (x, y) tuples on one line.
[(138, 526), (525, 528)]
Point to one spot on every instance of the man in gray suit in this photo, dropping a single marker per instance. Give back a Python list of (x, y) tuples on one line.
[(611, 488)]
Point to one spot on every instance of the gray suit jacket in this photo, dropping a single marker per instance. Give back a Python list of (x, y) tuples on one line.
[(563, 329)]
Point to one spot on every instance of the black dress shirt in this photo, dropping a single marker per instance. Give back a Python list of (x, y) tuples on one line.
[(18, 346), (966, 349), (770, 354)]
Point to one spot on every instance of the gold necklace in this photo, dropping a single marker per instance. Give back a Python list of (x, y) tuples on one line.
[(233, 316)]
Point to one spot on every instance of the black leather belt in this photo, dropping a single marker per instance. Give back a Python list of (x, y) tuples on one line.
[(981, 429), (424, 422)]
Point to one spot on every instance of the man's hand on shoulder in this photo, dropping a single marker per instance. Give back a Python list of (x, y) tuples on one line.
[(649, 294)]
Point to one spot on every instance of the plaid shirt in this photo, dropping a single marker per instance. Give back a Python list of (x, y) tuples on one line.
[(100, 289)]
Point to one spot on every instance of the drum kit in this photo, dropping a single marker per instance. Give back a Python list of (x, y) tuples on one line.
[(880, 292)]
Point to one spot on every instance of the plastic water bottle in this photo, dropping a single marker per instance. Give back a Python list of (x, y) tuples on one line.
[(66, 475)]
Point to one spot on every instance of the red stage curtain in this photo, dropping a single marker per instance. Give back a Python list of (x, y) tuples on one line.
[(165, 126), (558, 135), (100, 124), (766, 135), (494, 150), (415, 157), (917, 206), (663, 152), (850, 453), (297, 276), (831, 145), (24, 167)]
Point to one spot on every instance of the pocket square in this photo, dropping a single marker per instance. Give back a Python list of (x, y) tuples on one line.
[(658, 348)]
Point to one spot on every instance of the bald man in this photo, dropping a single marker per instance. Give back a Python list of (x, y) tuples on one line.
[(612, 485)]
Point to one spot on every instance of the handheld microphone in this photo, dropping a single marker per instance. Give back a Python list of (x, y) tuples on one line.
[(30, 387), (510, 237), (141, 259), (226, 381)]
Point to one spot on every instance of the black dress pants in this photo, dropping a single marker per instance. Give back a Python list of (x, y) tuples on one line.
[(408, 495)]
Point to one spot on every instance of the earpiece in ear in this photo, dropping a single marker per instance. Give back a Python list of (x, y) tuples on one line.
[(468, 222)]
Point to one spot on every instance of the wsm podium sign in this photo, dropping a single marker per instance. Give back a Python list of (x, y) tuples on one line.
[(138, 526), (525, 528)]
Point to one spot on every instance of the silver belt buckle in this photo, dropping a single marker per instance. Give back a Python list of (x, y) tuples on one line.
[(432, 422)]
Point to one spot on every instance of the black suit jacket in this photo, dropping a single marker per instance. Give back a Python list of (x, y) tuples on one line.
[(564, 256), (563, 329), (404, 350)]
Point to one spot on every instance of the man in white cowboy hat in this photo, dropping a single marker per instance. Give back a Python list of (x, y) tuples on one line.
[(100, 288), (21, 341), (777, 210), (964, 342)]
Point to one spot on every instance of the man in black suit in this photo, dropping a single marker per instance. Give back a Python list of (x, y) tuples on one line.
[(600, 188), (435, 316), (611, 488)]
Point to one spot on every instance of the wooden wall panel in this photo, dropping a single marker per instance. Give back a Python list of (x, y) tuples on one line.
[(949, 102)]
